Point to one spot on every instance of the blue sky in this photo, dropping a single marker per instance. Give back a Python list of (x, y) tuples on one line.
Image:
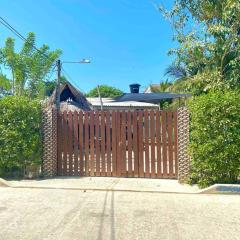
[(126, 40)]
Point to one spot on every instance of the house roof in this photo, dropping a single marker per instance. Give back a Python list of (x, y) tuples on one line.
[(77, 99), (151, 86), (149, 97), (110, 102)]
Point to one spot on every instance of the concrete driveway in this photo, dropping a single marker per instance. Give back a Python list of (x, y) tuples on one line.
[(108, 183), (102, 215)]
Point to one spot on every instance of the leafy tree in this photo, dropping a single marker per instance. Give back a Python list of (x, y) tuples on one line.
[(208, 35), (164, 86), (215, 138), (182, 81), (207, 64), (28, 67), (51, 85), (105, 91), (5, 86), (176, 72), (20, 121)]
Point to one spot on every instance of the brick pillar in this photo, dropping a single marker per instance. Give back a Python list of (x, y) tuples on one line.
[(183, 141), (49, 140)]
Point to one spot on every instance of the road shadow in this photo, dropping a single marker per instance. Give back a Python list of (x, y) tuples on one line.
[(104, 215)]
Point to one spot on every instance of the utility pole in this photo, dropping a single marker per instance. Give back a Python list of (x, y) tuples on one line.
[(58, 84), (59, 66), (100, 98)]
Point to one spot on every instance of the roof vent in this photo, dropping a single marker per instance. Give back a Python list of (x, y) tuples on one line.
[(134, 88)]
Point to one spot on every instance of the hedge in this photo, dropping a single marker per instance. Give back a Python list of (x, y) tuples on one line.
[(20, 139), (215, 138)]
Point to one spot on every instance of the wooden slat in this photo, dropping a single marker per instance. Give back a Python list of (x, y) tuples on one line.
[(59, 144), (92, 145), (70, 143), (86, 142), (108, 141), (81, 144), (123, 144), (140, 144), (97, 144), (146, 143), (118, 144), (164, 144), (152, 137), (75, 143), (129, 143), (135, 144), (175, 144), (158, 140), (114, 147), (65, 143), (170, 145), (103, 145)]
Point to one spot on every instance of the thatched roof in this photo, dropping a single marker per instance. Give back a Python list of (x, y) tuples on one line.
[(70, 98)]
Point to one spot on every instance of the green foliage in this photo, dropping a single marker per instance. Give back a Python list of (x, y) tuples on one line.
[(105, 91), (175, 71), (5, 86), (163, 86), (50, 86), (167, 86), (20, 140), (215, 138), (29, 68), (165, 105), (207, 65), (208, 36)]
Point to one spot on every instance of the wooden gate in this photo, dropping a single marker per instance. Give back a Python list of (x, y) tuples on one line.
[(118, 144)]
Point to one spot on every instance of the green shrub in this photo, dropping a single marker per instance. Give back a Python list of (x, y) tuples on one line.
[(215, 138), (20, 142)]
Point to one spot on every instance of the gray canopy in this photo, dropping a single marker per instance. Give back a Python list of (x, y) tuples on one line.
[(149, 97)]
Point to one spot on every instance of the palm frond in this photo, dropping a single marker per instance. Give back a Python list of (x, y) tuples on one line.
[(175, 71)]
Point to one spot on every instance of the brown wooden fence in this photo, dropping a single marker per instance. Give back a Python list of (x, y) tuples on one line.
[(129, 144)]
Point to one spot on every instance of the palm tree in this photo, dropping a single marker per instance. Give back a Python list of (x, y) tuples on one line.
[(182, 79), (176, 71), (179, 77), (162, 87)]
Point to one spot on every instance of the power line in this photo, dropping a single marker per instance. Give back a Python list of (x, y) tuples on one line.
[(68, 76), (71, 80), (4, 23), (18, 34), (51, 73)]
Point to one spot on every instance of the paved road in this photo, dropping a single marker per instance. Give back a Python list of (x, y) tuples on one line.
[(70, 214), (108, 183)]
